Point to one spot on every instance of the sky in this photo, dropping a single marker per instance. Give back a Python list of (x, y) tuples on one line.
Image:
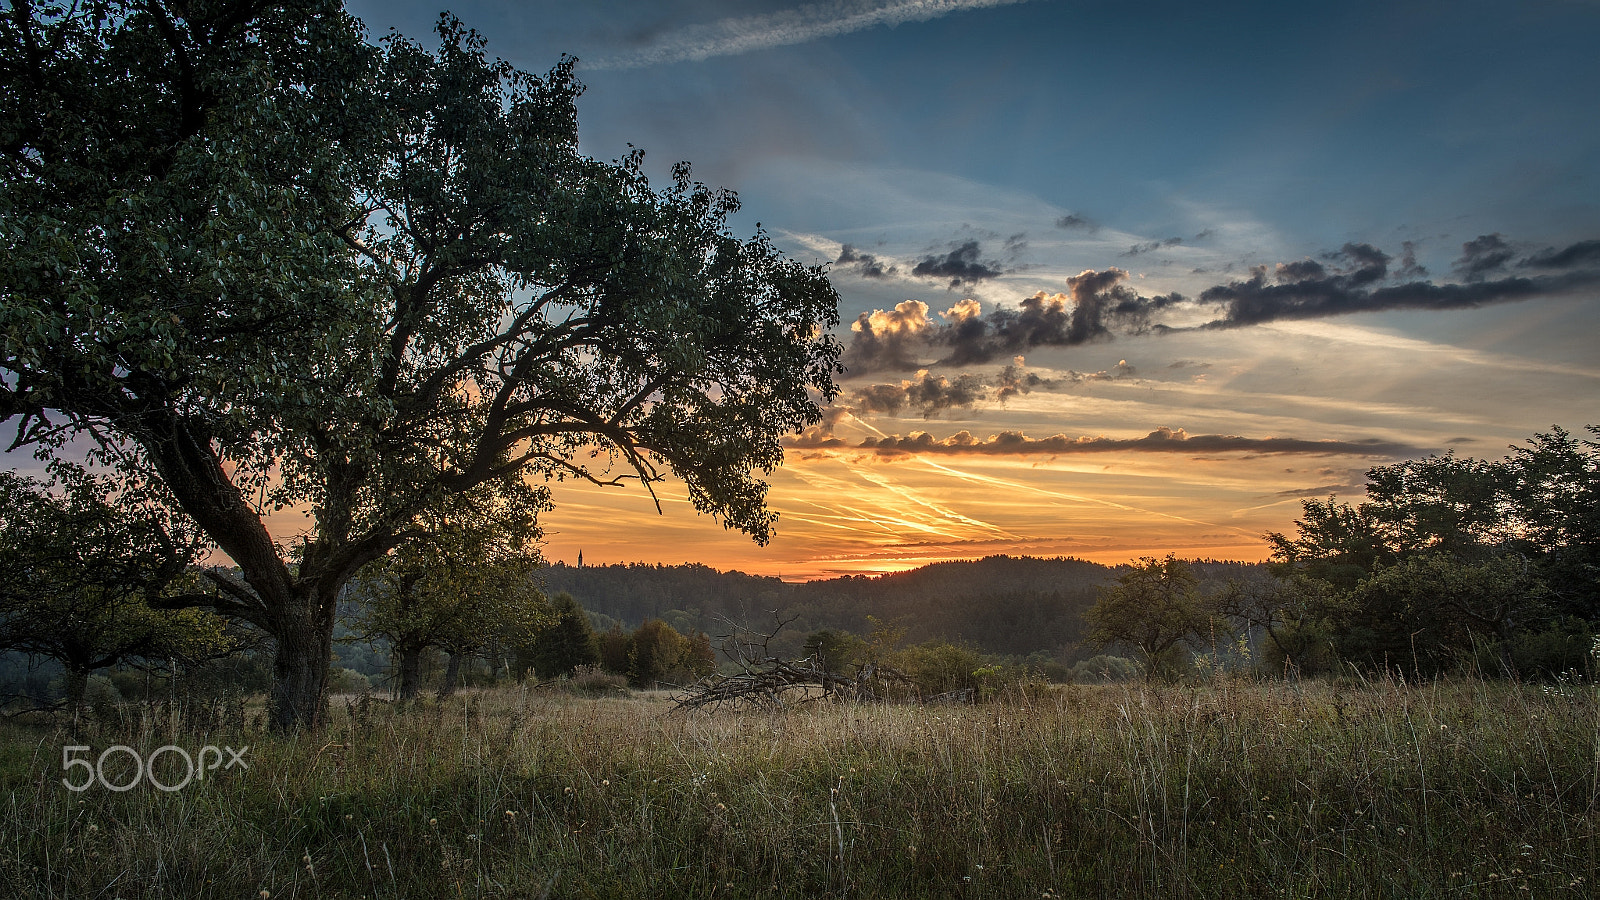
[(1117, 280)]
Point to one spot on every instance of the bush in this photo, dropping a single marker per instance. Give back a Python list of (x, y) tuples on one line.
[(346, 681), (593, 680), (1106, 668), (1311, 644), (938, 667)]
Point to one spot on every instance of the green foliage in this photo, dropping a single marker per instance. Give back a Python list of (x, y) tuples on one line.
[(835, 651), (1103, 668), (344, 681), (1291, 610), (1432, 609), (614, 650), (461, 585), (658, 653), (1450, 559), (939, 667)]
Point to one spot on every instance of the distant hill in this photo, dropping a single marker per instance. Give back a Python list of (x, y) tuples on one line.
[(999, 604)]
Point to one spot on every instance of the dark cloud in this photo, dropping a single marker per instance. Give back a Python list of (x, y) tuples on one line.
[(1325, 490), (926, 393), (1075, 222), (1409, 268), (1148, 246), (1483, 255), (960, 265), (1117, 372), (1100, 305), (1013, 381), (1581, 253), (1095, 305), (1016, 243), (863, 264), (1162, 440), (1356, 283), (1204, 234)]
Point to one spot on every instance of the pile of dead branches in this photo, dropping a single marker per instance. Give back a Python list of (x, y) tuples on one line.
[(764, 680), (779, 683)]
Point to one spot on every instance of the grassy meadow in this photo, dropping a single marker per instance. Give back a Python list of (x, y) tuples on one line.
[(1233, 788)]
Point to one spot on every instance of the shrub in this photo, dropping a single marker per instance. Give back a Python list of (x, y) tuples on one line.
[(593, 680)]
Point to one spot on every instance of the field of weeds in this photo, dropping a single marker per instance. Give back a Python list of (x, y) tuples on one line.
[(1230, 789)]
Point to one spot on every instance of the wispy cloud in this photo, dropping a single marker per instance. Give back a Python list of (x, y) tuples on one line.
[(808, 22)]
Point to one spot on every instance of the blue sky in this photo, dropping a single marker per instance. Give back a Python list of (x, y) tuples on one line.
[(974, 150)]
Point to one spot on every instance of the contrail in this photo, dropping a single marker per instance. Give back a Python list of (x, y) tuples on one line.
[(742, 34)]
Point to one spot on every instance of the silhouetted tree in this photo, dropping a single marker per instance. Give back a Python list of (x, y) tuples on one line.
[(1154, 607)]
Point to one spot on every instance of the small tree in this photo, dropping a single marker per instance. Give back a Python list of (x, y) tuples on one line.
[(84, 571), (462, 585), (1154, 607), (655, 650), (1286, 609), (614, 644)]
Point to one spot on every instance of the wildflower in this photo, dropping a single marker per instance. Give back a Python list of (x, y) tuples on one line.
[(433, 823), (510, 814), (265, 895)]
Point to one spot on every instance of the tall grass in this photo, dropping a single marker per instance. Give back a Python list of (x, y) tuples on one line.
[(1234, 788)]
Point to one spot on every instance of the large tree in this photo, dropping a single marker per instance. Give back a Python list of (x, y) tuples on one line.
[(275, 267)]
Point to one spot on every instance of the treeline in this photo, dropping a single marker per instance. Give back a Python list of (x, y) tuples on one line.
[(1001, 604)]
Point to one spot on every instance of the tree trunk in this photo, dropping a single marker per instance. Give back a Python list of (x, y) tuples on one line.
[(75, 682), (300, 667), (410, 671), (451, 672)]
